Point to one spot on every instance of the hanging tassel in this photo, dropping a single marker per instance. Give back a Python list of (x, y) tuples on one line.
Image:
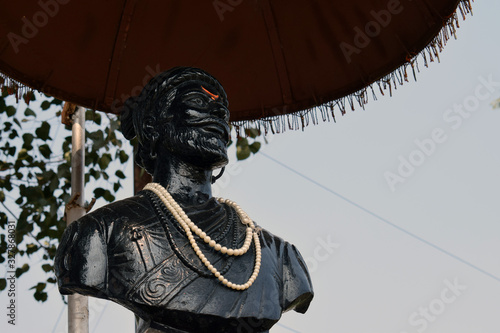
[(301, 119)]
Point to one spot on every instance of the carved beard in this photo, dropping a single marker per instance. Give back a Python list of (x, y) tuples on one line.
[(196, 146)]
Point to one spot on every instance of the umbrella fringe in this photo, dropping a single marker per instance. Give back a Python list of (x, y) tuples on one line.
[(13, 87), (301, 119)]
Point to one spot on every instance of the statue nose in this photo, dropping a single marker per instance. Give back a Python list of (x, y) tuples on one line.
[(220, 112)]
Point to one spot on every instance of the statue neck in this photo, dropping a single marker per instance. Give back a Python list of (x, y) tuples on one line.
[(188, 184)]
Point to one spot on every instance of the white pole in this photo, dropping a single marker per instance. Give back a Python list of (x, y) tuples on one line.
[(78, 305)]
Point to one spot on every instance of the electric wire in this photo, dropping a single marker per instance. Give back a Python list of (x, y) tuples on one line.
[(440, 249)]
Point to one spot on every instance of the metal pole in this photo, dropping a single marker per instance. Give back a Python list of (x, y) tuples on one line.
[(78, 305)]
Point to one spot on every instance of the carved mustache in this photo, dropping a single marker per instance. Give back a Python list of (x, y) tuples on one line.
[(213, 125)]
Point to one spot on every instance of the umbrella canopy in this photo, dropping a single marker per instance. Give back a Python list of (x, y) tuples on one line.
[(274, 58)]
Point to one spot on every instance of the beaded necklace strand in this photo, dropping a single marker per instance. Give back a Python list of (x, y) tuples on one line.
[(166, 216), (189, 227)]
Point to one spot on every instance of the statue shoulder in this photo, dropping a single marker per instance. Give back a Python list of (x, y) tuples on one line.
[(81, 258), (130, 209), (272, 240), (297, 284)]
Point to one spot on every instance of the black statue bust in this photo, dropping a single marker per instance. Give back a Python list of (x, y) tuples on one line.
[(148, 252)]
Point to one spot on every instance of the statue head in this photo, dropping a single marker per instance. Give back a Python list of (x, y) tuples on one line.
[(181, 112)]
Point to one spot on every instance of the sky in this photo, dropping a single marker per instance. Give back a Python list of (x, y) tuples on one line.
[(395, 208)]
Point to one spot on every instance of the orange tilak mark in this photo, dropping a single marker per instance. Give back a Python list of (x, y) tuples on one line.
[(213, 96)]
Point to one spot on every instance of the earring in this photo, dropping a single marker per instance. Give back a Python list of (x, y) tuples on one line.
[(214, 179)]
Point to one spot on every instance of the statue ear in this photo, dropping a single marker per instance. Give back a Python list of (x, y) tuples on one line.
[(151, 135), (167, 116), (148, 128)]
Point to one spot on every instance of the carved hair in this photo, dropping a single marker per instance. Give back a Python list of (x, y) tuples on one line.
[(146, 109)]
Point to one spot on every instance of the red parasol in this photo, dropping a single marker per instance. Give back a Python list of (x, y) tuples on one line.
[(273, 57)]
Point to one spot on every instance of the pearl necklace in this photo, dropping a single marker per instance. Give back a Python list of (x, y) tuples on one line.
[(189, 227), (166, 217)]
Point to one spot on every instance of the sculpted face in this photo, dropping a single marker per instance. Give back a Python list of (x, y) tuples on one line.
[(198, 128)]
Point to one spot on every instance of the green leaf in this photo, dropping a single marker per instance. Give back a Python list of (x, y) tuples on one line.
[(6, 183), (94, 173), (45, 105), (102, 193), (17, 123), (242, 152), (97, 118), (28, 112), (23, 154), (43, 131), (242, 149), (47, 268), (13, 134), (242, 142), (7, 126), (252, 132), (21, 270), (120, 174), (108, 196), (63, 171), (11, 111), (123, 156), (28, 139), (52, 251), (3, 284), (254, 147), (40, 294), (67, 156), (94, 116), (31, 248), (45, 150), (97, 138), (104, 161), (39, 287), (66, 144), (11, 151)]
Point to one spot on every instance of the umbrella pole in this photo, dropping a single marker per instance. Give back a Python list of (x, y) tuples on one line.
[(78, 308)]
